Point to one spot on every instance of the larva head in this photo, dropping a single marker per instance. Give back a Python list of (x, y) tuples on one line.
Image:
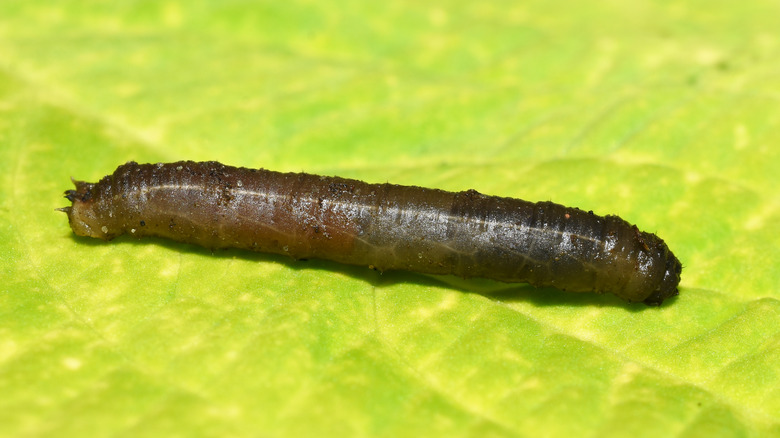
[(655, 273), (83, 215), (667, 287)]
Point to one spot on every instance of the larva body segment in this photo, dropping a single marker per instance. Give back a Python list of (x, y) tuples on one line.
[(381, 225)]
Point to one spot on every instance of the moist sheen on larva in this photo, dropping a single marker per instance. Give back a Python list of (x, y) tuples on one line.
[(385, 226)]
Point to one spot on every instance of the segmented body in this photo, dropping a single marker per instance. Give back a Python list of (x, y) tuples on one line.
[(385, 226)]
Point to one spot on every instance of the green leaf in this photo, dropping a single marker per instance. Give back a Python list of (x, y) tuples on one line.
[(667, 115)]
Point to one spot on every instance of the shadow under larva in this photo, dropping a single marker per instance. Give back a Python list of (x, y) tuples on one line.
[(383, 226)]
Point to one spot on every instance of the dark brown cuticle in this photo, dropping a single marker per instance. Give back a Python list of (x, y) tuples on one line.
[(383, 226)]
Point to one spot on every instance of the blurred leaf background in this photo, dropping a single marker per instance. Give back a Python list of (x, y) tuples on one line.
[(666, 113)]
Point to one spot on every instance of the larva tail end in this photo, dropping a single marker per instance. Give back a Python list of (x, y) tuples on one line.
[(82, 215)]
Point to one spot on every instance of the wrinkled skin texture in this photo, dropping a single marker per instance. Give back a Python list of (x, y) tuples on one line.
[(384, 226)]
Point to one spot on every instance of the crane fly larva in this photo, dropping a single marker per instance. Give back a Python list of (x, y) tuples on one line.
[(385, 226)]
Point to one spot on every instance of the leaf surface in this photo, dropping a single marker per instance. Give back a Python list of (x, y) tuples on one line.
[(668, 115)]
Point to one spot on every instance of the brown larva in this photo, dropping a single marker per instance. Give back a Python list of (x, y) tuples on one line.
[(385, 226)]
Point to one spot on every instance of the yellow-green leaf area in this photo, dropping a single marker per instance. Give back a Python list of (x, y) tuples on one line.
[(665, 114)]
